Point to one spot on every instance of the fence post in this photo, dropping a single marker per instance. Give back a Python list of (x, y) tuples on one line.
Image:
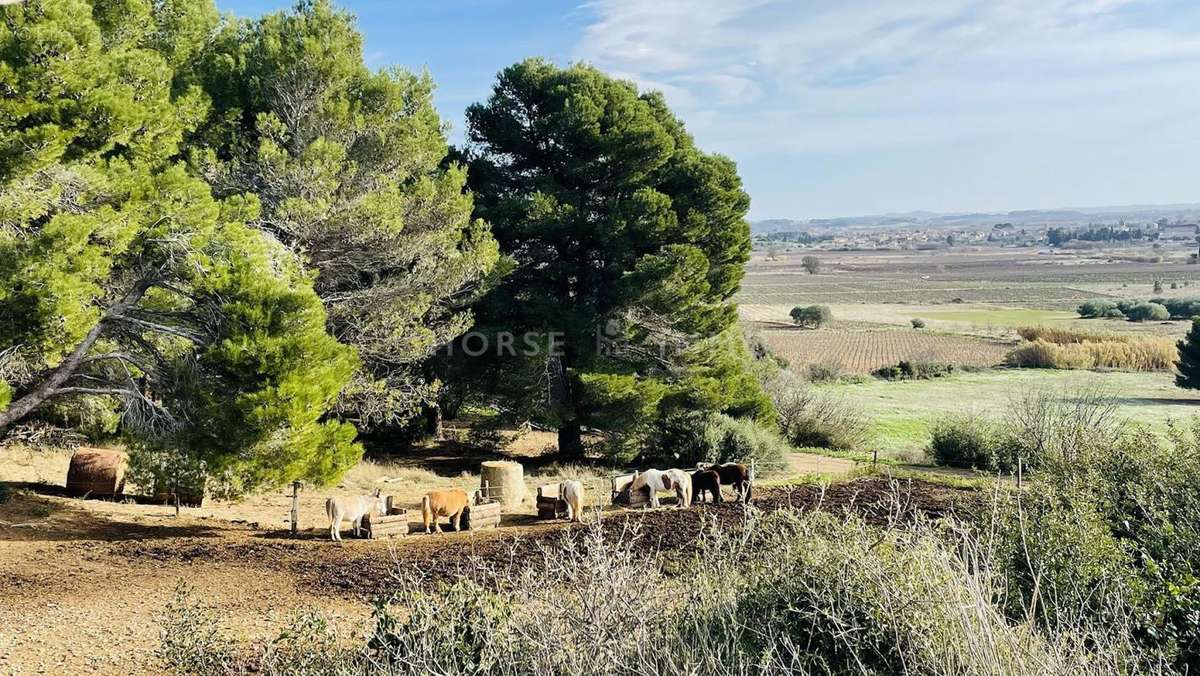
[(875, 457), (1018, 473), (295, 506)]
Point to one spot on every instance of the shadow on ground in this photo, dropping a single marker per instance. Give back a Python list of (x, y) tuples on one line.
[(41, 513)]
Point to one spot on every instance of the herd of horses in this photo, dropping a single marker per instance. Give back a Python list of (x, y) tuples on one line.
[(689, 488)]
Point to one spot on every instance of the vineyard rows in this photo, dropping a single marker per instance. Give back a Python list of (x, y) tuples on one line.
[(865, 351)]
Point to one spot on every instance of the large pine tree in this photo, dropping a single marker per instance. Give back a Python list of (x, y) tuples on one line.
[(348, 164), (627, 243)]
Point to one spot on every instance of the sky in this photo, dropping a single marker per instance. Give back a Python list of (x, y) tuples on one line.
[(852, 107)]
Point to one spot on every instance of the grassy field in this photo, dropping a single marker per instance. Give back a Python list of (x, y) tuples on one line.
[(997, 316), (901, 413)]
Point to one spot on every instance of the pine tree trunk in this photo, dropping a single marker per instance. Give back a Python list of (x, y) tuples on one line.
[(570, 440), (433, 420)]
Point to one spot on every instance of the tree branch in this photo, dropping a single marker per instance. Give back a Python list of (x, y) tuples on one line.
[(53, 382)]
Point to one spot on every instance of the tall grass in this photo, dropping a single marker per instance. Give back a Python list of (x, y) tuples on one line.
[(1057, 348)]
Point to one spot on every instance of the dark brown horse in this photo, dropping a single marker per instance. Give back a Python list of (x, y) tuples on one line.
[(733, 474), (706, 480)]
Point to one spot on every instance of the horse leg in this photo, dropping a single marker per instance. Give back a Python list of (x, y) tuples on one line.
[(458, 521)]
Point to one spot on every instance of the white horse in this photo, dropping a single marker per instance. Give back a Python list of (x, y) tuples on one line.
[(669, 480), (352, 508), (571, 492)]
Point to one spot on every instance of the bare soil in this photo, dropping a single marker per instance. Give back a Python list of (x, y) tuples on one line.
[(81, 586)]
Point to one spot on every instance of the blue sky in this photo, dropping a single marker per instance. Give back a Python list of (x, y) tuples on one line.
[(845, 107)]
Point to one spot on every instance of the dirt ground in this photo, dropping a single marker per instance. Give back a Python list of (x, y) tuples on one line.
[(83, 583)]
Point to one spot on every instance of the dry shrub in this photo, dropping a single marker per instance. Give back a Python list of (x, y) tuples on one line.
[(1060, 336), (1067, 349), (1040, 354), (809, 417), (1038, 428)]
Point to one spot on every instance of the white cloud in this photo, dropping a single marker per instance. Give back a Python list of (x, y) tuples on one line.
[(755, 77)]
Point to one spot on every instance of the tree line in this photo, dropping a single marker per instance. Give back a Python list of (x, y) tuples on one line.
[(1104, 233), (235, 246)]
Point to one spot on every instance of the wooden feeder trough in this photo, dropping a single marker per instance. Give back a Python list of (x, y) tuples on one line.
[(622, 496), (393, 506), (394, 525), (483, 512), (549, 504)]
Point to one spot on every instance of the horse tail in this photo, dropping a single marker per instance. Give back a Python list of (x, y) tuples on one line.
[(331, 510)]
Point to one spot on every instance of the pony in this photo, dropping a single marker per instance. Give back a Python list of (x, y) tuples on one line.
[(732, 474), (571, 492), (655, 480), (706, 480), (354, 509), (450, 502)]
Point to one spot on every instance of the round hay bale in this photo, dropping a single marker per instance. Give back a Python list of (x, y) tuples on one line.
[(97, 472), (505, 481)]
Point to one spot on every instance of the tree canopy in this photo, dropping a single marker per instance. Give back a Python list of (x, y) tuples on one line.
[(627, 243), (123, 279), (348, 165)]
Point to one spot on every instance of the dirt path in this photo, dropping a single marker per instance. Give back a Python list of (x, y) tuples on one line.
[(81, 589)]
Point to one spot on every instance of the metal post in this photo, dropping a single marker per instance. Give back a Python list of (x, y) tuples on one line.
[(295, 506)]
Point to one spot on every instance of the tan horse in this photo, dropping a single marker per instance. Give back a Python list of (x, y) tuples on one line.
[(450, 502)]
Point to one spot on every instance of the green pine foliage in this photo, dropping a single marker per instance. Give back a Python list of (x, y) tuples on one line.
[(348, 165), (624, 230), (1188, 368), (123, 280)]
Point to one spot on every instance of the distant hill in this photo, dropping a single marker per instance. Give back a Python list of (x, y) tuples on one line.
[(930, 219)]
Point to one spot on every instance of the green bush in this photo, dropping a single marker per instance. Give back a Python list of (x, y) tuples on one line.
[(190, 638), (811, 316), (917, 323), (1180, 308), (969, 442), (1110, 536), (1099, 308), (914, 370), (685, 439), (1147, 312)]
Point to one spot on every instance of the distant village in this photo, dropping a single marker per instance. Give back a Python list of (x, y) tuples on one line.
[(1177, 231)]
